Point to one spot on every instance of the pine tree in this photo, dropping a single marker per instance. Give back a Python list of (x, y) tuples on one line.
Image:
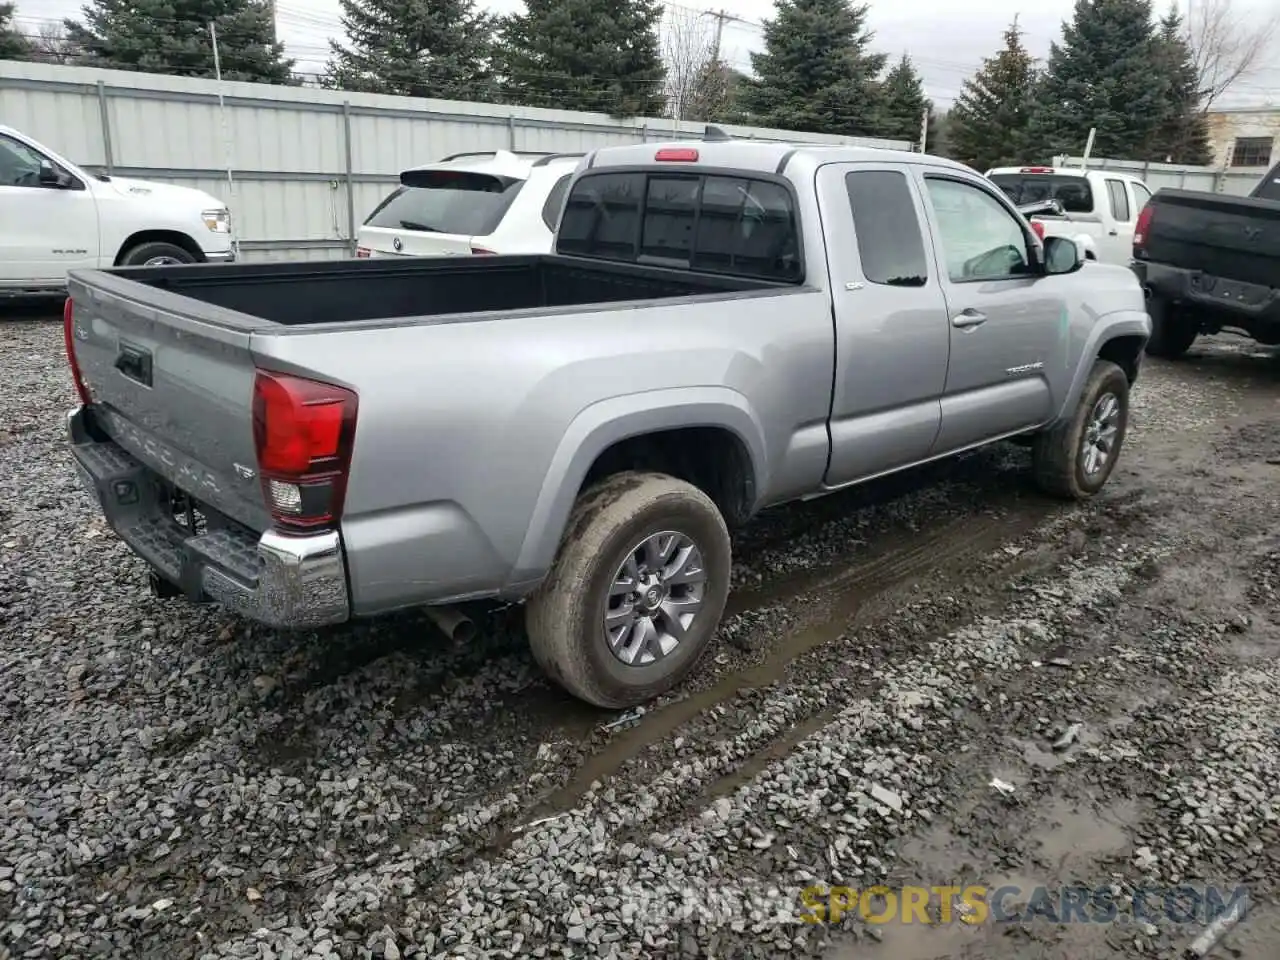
[(1183, 134), (816, 73), (1101, 77), (902, 103), (416, 48), (13, 45), (987, 125), (172, 36), (601, 56)]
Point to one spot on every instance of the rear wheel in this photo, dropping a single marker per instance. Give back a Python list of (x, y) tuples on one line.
[(1075, 458), (156, 253), (1173, 330), (636, 592)]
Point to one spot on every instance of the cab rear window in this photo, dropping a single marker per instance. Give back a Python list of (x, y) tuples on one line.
[(716, 223), (1073, 193)]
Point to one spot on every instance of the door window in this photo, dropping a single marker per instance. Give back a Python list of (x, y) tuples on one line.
[(554, 201), (19, 164), (1141, 196), (1119, 200), (884, 217), (981, 239)]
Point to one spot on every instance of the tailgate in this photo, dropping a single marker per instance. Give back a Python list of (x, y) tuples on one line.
[(171, 381), (1236, 238)]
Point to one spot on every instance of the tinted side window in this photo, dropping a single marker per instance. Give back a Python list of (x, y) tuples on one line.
[(747, 227), (1119, 200), (884, 218), (980, 238), (551, 208), (1269, 188), (1072, 192), (602, 217)]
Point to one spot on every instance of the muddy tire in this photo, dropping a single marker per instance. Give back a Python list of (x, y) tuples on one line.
[(1173, 331), (635, 593), (1073, 459), (155, 254)]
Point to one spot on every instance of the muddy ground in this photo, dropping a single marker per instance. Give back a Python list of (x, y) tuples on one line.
[(881, 708)]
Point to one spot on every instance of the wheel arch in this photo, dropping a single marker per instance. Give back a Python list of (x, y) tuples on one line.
[(609, 425), (1113, 336), (175, 237)]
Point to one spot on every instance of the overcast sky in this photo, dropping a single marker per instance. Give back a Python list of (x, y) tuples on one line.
[(946, 38)]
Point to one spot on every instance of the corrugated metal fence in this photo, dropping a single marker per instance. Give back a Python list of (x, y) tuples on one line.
[(1176, 175), (307, 165)]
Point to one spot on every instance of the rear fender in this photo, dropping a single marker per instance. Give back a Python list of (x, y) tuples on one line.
[(603, 424), (1124, 323)]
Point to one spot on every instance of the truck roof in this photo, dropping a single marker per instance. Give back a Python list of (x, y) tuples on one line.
[(1033, 170), (755, 155)]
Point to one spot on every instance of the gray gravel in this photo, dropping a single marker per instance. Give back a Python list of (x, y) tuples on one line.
[(176, 783)]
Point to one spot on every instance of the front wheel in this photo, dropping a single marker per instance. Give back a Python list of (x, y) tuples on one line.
[(636, 592), (156, 253), (1074, 459)]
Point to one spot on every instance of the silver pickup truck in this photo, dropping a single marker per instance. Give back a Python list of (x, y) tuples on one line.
[(724, 326)]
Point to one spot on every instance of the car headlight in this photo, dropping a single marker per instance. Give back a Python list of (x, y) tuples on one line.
[(218, 221)]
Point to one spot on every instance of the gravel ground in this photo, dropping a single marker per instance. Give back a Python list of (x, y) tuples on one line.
[(175, 783)]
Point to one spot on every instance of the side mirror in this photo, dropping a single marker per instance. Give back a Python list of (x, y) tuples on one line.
[(50, 176), (1061, 255)]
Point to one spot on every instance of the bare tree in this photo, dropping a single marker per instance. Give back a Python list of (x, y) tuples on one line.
[(697, 80), (51, 44), (1227, 45)]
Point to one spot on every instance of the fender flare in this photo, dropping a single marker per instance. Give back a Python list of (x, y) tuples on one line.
[(598, 427), (1124, 323)]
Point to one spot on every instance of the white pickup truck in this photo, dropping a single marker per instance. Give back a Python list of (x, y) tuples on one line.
[(56, 217), (1100, 208)]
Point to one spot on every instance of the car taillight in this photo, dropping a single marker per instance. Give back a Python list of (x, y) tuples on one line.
[(1142, 228), (69, 337), (362, 252), (303, 432), (1037, 170), (1037, 228), (482, 252)]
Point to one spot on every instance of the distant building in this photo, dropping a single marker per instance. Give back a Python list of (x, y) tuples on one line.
[(1245, 139)]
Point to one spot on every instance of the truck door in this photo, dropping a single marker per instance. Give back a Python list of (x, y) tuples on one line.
[(890, 321), (46, 228), (1117, 244), (1007, 328)]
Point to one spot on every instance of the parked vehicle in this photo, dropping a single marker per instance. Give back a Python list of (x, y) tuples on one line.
[(724, 326), (56, 217), (1097, 203), (1037, 208), (471, 203), (1210, 262)]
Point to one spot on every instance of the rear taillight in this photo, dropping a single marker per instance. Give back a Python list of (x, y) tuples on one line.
[(69, 336), (1037, 228), (482, 252), (303, 431), (362, 252), (1142, 228)]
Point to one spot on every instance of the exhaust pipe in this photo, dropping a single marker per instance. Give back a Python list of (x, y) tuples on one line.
[(453, 623)]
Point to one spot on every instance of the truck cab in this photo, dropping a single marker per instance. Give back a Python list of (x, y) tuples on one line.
[(1098, 204), (56, 217)]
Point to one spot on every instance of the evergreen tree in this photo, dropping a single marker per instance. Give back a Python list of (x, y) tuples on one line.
[(1183, 134), (417, 48), (1101, 76), (987, 125), (902, 103), (816, 72), (595, 55), (13, 45), (172, 36)]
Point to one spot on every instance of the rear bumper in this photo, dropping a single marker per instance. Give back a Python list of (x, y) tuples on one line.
[(287, 582), (1230, 302)]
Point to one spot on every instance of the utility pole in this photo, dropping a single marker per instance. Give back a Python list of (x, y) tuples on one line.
[(271, 12), (721, 17), (924, 131)]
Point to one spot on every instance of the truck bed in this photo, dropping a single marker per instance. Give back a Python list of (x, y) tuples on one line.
[(350, 291), (1233, 238)]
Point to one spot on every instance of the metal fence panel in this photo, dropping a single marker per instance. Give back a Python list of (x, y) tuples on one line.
[(308, 164), (1177, 176)]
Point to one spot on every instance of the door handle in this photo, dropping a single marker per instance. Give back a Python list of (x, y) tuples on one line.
[(1113, 233), (968, 319)]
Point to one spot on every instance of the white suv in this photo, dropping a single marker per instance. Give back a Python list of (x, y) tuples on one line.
[(471, 203)]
